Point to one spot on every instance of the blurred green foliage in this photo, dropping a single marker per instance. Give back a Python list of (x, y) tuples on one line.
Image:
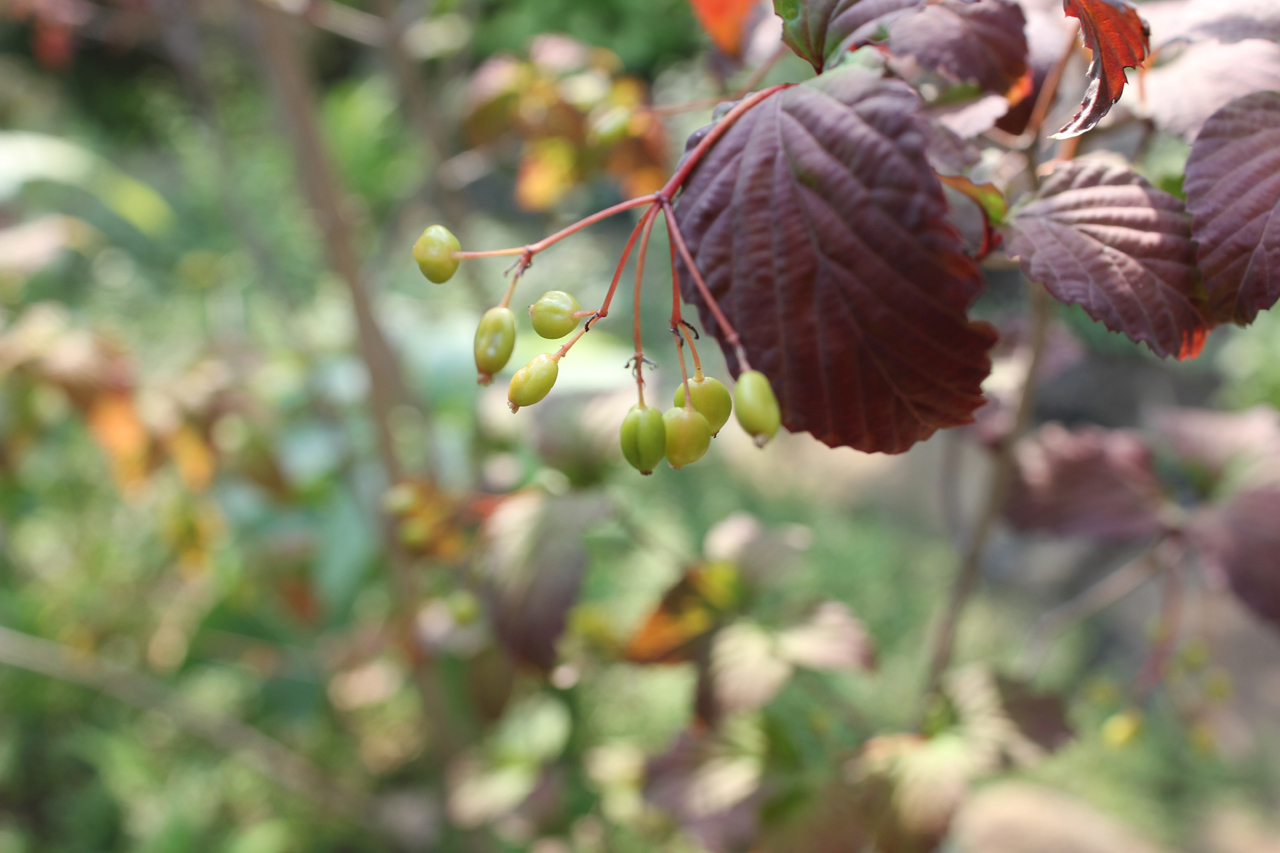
[(219, 526)]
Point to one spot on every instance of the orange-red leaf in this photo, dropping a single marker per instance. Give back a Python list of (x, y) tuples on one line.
[(725, 21), (1119, 39), (690, 611)]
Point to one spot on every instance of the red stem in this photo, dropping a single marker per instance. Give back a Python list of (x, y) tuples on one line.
[(547, 242), (650, 217), (726, 328), (603, 312), (713, 136)]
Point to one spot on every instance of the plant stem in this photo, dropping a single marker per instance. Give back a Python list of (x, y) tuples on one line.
[(756, 78), (547, 242), (644, 226), (730, 334), (266, 755), (283, 63), (1004, 468), (1101, 595), (718, 130)]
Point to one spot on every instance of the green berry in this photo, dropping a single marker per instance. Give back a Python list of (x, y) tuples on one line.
[(711, 398), (756, 406), (434, 254), (553, 314), (688, 436), (532, 382), (495, 339), (644, 438)]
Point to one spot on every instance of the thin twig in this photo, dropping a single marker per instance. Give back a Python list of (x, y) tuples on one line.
[(265, 754), (756, 78), (1168, 632), (293, 90), (1106, 592), (969, 571)]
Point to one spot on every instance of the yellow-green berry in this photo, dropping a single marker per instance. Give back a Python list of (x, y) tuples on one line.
[(711, 398), (756, 406), (434, 253), (495, 339), (644, 438), (552, 314), (688, 436), (532, 382)]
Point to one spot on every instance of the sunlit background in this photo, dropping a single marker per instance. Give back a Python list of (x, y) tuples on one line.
[(277, 576)]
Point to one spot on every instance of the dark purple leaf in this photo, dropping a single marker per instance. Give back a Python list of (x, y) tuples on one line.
[(979, 41), (1233, 192), (817, 30), (1101, 237), (532, 566), (1119, 39), (1180, 95), (1090, 482), (822, 232), (1041, 718), (1242, 540)]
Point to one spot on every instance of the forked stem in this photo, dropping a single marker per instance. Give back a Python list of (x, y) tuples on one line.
[(726, 328)]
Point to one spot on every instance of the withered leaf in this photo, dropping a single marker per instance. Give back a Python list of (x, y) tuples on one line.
[(1101, 237), (1233, 193), (1119, 39), (821, 230)]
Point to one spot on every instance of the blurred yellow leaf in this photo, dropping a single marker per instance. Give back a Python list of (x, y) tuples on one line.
[(193, 458), (115, 425), (547, 172)]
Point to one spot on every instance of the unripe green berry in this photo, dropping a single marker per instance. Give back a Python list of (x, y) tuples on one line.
[(644, 438), (711, 398), (756, 406), (688, 436), (532, 382), (495, 339), (553, 314), (434, 253)]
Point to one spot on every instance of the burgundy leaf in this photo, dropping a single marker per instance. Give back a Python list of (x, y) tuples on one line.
[(822, 232), (1119, 39), (982, 41), (817, 30), (1090, 482), (1041, 718), (1233, 192), (1242, 540), (1101, 237), (1180, 95), (532, 565)]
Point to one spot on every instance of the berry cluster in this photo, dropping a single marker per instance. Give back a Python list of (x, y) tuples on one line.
[(702, 404), (682, 435)]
